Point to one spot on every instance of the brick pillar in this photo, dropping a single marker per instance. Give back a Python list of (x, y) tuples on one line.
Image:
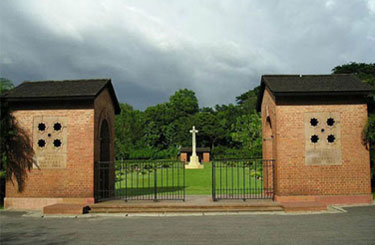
[(183, 157), (206, 157)]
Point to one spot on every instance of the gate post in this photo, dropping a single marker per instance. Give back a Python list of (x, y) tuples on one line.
[(213, 182), (184, 181), (155, 183), (244, 181), (125, 165)]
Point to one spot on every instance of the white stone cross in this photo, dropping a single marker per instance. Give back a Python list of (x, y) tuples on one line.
[(194, 159), (193, 132)]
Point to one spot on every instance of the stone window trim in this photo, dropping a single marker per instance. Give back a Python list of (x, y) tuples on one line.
[(314, 122), (42, 127), (42, 143), (323, 138), (58, 127), (331, 139), (314, 139), (57, 143), (50, 145), (331, 122)]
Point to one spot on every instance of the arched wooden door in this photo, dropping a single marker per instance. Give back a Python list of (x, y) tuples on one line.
[(104, 164)]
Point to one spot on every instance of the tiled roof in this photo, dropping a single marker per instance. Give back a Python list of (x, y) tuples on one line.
[(312, 85), (66, 89)]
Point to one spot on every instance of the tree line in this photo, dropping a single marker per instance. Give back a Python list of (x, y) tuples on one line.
[(161, 130)]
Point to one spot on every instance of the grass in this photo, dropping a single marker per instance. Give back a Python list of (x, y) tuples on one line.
[(198, 181)]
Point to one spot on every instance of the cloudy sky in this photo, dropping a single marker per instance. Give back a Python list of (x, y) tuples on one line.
[(150, 49)]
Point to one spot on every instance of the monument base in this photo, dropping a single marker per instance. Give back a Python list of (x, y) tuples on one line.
[(194, 163)]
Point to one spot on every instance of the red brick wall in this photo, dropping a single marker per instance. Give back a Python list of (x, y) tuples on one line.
[(104, 110), (183, 157), (206, 157), (293, 177), (76, 180)]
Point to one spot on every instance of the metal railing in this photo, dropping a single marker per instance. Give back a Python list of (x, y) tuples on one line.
[(140, 180), (242, 179)]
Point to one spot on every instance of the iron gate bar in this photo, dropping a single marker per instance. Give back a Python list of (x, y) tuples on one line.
[(258, 184), (140, 180)]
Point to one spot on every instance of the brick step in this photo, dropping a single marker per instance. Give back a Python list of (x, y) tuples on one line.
[(182, 209), (179, 206), (65, 208), (304, 206)]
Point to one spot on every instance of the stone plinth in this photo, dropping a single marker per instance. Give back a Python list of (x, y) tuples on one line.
[(194, 163)]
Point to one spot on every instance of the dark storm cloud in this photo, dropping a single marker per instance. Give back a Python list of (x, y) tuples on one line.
[(150, 49)]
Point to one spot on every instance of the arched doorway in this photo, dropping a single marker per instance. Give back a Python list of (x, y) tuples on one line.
[(104, 165), (268, 158), (104, 141), (268, 140)]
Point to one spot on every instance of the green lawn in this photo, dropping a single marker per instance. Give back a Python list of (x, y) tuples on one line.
[(198, 181)]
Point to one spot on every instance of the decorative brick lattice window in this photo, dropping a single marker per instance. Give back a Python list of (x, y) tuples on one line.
[(50, 141), (322, 138)]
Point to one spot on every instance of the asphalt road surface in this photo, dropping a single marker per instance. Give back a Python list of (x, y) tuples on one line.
[(357, 226)]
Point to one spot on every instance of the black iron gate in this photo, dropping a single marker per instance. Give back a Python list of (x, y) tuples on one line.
[(242, 179), (140, 180)]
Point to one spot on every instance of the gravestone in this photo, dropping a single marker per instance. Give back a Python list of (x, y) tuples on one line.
[(65, 122)]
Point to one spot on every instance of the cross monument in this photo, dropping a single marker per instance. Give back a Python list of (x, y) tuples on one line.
[(194, 160)]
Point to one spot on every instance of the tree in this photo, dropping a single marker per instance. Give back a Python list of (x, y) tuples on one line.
[(129, 130), (248, 131), (369, 138), (365, 72), (207, 109), (227, 115), (248, 100), (16, 153), (209, 128), (184, 102), (5, 85), (177, 133), (158, 118), (5, 125)]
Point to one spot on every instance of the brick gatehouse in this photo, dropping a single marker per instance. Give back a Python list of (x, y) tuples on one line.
[(312, 126), (71, 126)]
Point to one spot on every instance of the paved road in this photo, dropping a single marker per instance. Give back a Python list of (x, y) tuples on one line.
[(357, 226)]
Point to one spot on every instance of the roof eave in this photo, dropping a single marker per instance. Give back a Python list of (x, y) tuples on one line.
[(15, 99), (260, 96), (321, 93), (111, 90)]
